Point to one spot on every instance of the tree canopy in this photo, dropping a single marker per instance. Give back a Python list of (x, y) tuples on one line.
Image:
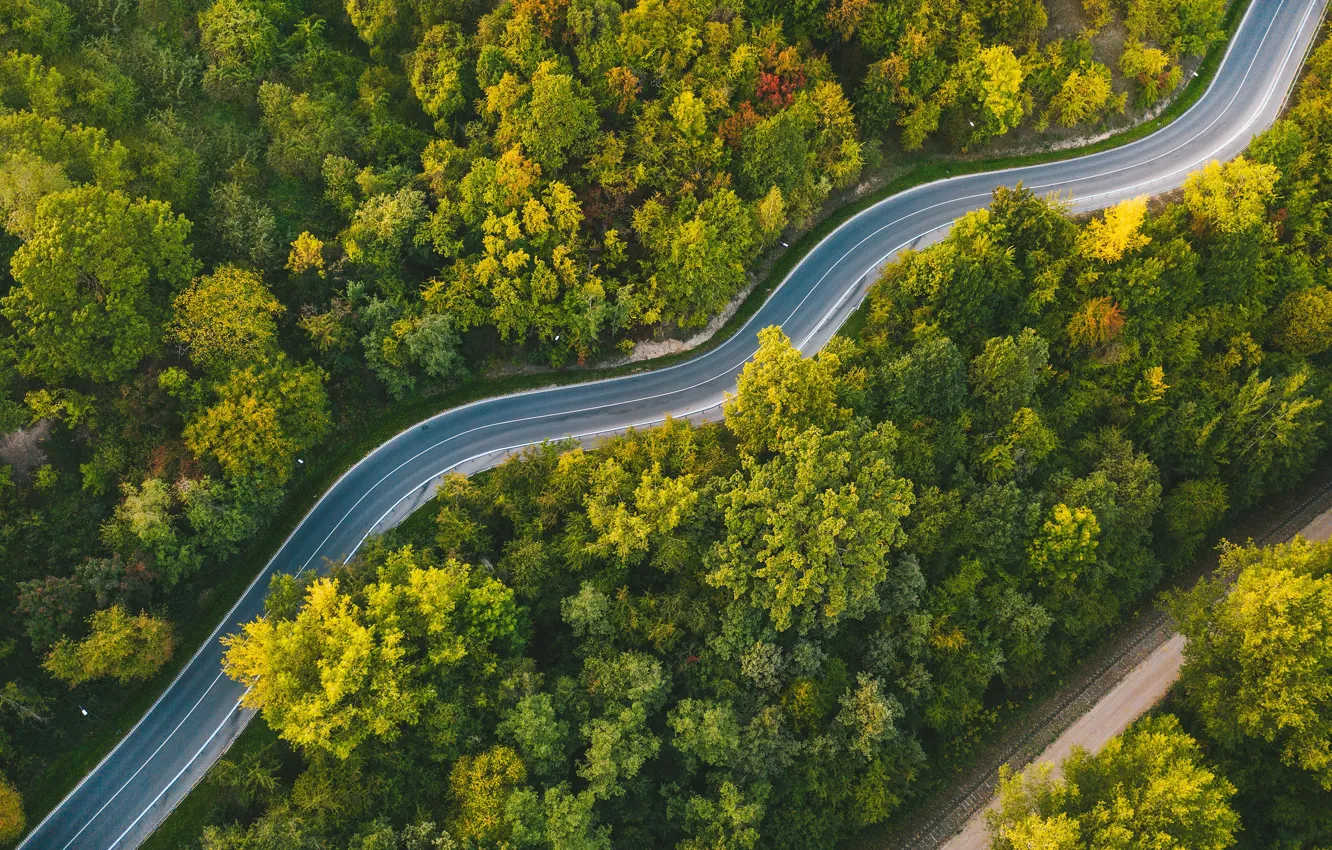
[(1146, 788), (92, 282), (237, 234), (1259, 659)]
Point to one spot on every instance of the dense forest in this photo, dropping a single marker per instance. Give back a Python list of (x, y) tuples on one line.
[(1254, 691), (771, 632), (228, 227)]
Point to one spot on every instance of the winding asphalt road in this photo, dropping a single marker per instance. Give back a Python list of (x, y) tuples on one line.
[(126, 796)]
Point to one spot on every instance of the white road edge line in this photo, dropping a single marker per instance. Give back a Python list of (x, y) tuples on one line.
[(739, 333), (146, 761), (520, 420), (176, 777)]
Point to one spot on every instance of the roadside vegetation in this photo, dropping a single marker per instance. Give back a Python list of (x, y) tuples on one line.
[(235, 233), (768, 632), (1254, 691)]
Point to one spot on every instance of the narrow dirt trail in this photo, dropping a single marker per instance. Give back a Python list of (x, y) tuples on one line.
[(1135, 694)]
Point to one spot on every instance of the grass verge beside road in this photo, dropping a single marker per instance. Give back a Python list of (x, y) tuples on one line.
[(200, 606)]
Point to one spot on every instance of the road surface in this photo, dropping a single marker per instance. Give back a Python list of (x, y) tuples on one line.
[(197, 717), (1143, 687)]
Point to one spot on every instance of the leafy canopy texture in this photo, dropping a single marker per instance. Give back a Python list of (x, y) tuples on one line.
[(93, 281), (1148, 789), (780, 392), (263, 417), (773, 631), (809, 531), (120, 647), (1259, 657), (12, 821), (226, 319), (768, 633), (355, 664)]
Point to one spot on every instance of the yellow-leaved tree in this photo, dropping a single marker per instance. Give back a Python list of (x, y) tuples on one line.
[(262, 418), (1148, 784), (120, 647), (353, 664), (1258, 662), (225, 319), (781, 393), (1116, 233), (12, 820)]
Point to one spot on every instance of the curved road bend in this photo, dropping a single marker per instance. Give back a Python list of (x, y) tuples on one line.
[(169, 750)]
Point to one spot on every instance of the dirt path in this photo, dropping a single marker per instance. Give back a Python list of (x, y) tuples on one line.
[(1134, 695), (1106, 692)]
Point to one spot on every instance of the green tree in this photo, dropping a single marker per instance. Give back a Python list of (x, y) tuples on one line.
[(250, 778), (243, 227), (539, 735), (706, 732), (226, 320), (224, 515), (1018, 447), (263, 417), (1191, 510), (1146, 788), (1151, 69), (49, 607), (92, 282), (24, 180), (696, 262), (242, 45), (303, 129), (1007, 374), (482, 785), (143, 524), (631, 687), (38, 26), (571, 821), (780, 393), (87, 154), (732, 820), (438, 72), (868, 715), (1304, 322), (1258, 662), (27, 84), (376, 21), (628, 519), (808, 532), (1267, 428), (120, 647), (381, 229), (776, 152), (398, 346), (560, 119), (619, 745)]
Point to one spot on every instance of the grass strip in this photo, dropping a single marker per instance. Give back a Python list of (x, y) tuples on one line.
[(322, 471)]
